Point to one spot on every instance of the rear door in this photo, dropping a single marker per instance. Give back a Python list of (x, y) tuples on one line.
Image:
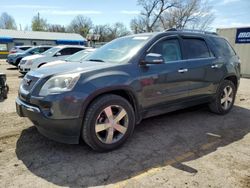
[(201, 65)]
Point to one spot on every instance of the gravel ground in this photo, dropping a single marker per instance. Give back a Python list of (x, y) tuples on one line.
[(187, 148)]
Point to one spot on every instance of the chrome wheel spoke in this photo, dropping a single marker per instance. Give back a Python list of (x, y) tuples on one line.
[(109, 113), (230, 99), (110, 135), (225, 91), (120, 128), (223, 100), (121, 114), (226, 105), (101, 127), (230, 91)]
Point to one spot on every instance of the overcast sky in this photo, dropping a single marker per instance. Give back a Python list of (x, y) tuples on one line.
[(229, 13)]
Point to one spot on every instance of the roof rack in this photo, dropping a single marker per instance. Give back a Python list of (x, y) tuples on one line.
[(192, 30)]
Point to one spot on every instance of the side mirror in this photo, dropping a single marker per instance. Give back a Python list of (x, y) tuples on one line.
[(58, 54), (153, 58)]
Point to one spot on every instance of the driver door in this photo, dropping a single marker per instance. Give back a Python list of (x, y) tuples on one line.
[(164, 83)]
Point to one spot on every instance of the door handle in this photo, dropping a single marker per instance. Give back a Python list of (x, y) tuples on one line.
[(214, 66), (182, 70)]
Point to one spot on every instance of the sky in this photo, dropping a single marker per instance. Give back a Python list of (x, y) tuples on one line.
[(228, 13)]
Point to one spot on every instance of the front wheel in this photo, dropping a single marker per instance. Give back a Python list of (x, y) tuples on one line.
[(108, 123), (224, 99)]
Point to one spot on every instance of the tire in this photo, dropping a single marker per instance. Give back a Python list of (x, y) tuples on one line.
[(6, 90), (17, 62), (98, 137), (219, 106)]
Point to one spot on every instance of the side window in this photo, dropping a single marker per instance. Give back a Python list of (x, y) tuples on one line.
[(43, 49), (169, 49), (195, 48), (69, 51), (35, 51), (46, 48), (25, 48), (74, 50), (65, 51), (223, 47)]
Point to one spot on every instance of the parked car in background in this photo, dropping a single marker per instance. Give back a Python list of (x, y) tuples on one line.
[(77, 57), (127, 80), (4, 88), (14, 59), (18, 49), (53, 54)]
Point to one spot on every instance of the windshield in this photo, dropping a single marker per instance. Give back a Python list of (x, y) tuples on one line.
[(51, 51), (29, 50), (33, 50), (119, 50), (77, 57)]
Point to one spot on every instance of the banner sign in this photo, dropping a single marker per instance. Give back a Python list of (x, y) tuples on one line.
[(243, 35)]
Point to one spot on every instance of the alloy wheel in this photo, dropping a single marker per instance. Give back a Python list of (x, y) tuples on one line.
[(227, 97), (111, 124)]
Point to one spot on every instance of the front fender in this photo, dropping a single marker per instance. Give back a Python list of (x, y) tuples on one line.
[(107, 82)]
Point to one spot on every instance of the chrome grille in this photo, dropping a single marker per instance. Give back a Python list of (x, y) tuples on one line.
[(28, 82)]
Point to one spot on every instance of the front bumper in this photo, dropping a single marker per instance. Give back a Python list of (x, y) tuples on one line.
[(10, 61), (23, 70), (61, 130)]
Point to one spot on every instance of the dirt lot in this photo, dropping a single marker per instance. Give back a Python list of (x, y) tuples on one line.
[(188, 148)]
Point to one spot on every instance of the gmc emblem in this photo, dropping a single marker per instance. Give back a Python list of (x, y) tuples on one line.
[(27, 81)]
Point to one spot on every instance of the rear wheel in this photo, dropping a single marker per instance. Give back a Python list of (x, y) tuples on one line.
[(224, 99), (108, 123)]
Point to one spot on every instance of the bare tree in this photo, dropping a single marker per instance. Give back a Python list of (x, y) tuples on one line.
[(103, 31), (137, 25), (39, 24), (117, 30), (195, 14), (81, 25), (110, 32), (150, 14), (7, 21), (56, 28)]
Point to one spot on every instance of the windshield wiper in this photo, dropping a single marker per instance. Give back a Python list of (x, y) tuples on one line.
[(98, 60)]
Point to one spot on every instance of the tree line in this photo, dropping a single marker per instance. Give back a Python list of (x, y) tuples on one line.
[(155, 15)]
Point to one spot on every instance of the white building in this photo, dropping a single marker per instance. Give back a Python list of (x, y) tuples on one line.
[(239, 38), (10, 38)]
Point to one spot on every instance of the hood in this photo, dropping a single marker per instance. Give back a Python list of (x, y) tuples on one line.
[(70, 67), (31, 57), (16, 54), (52, 63)]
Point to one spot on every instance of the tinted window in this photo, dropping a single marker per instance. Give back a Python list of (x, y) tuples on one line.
[(195, 48), (34, 51), (223, 47), (43, 49), (169, 49), (24, 48), (69, 51)]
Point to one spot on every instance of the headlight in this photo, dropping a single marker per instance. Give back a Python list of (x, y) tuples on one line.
[(28, 62), (59, 84)]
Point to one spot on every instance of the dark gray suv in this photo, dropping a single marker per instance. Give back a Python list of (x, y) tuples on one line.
[(131, 78)]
